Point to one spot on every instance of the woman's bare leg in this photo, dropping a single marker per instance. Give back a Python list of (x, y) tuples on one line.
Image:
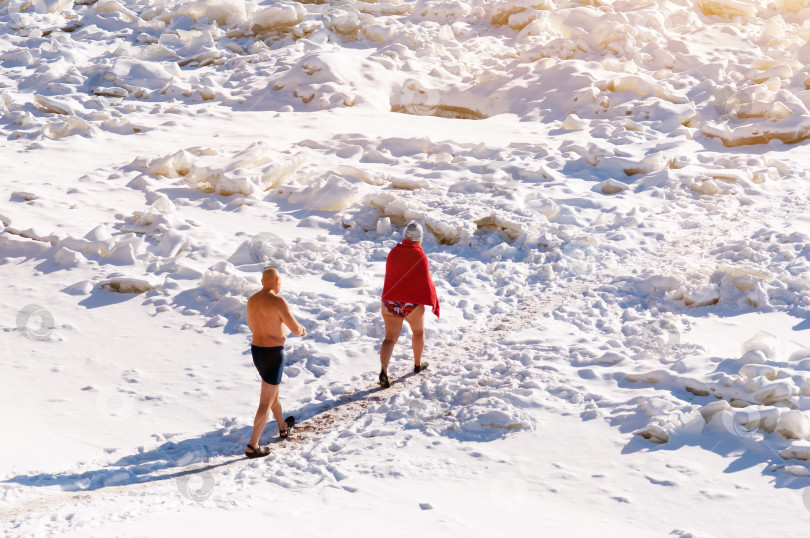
[(416, 320), (393, 326)]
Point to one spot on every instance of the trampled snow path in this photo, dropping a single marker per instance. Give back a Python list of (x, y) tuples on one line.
[(216, 457)]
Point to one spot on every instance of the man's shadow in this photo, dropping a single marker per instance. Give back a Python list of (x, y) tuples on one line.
[(174, 460)]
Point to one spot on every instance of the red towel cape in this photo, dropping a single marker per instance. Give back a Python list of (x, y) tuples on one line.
[(407, 276)]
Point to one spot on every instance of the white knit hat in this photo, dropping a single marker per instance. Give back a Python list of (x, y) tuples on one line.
[(413, 231)]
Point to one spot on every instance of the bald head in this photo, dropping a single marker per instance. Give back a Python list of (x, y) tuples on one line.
[(270, 278)]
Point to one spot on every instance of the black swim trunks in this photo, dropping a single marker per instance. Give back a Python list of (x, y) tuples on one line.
[(269, 361)]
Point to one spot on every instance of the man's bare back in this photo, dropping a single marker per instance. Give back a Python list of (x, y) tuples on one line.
[(267, 314)]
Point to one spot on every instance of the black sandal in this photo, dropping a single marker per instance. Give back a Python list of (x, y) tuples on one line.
[(417, 369), (260, 452), (384, 380), (290, 421)]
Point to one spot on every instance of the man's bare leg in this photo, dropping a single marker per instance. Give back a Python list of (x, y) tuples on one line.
[(276, 407), (268, 398), (416, 320), (393, 327)]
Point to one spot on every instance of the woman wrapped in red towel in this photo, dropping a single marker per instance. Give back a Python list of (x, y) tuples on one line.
[(408, 289)]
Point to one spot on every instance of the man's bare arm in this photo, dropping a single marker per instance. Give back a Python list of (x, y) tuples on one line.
[(290, 321)]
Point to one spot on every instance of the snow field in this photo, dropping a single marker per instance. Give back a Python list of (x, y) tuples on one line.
[(649, 183)]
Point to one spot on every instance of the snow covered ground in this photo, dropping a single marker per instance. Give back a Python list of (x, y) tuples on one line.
[(616, 200)]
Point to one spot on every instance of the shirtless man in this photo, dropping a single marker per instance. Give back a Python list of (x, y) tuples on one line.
[(267, 315)]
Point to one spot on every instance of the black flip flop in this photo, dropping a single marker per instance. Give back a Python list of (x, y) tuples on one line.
[(417, 369), (384, 380), (260, 452), (290, 421)]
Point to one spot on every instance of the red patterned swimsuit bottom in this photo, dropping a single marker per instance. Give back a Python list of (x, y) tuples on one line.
[(399, 309)]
